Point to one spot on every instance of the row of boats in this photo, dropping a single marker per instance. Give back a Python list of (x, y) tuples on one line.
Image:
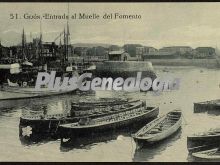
[(205, 145), (88, 118)]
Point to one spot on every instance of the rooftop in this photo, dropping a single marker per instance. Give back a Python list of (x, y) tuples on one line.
[(116, 52), (177, 47)]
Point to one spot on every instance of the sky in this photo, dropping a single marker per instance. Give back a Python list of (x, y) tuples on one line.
[(161, 24)]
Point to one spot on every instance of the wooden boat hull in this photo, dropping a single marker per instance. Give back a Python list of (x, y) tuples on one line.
[(207, 154), (51, 122), (159, 136), (116, 108), (10, 104), (16, 93), (43, 127), (67, 132), (87, 105), (213, 105), (197, 143), (203, 147)]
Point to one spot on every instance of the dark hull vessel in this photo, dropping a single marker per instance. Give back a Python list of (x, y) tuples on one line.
[(99, 111), (77, 108), (213, 105), (108, 123), (102, 102), (203, 141), (42, 129), (48, 124)]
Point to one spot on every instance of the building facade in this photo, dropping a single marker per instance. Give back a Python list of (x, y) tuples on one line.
[(143, 51), (176, 49), (131, 49), (120, 55), (204, 52)]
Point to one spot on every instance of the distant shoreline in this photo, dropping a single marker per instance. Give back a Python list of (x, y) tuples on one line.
[(208, 63)]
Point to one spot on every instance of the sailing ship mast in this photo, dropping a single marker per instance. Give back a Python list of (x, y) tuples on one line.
[(67, 36), (23, 44), (66, 41), (40, 45)]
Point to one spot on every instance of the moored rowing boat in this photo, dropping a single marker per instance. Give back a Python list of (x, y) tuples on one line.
[(212, 154), (99, 110), (160, 128), (110, 122), (14, 93), (85, 104), (50, 123), (212, 105), (209, 138)]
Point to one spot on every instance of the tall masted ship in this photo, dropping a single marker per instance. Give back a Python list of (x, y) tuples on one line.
[(19, 72)]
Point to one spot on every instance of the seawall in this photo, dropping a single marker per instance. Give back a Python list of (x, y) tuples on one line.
[(124, 66), (124, 69), (208, 63)]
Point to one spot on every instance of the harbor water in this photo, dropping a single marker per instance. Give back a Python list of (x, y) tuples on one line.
[(196, 84)]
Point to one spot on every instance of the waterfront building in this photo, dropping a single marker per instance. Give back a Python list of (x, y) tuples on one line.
[(93, 54), (81, 51), (120, 55), (97, 51), (161, 55), (176, 49), (114, 48), (204, 52), (144, 50), (172, 52), (131, 49)]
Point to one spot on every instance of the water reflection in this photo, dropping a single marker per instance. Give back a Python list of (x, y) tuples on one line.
[(35, 140), (195, 86), (13, 104), (82, 142), (213, 112)]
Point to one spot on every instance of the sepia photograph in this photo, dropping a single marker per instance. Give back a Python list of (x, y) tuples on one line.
[(110, 82)]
